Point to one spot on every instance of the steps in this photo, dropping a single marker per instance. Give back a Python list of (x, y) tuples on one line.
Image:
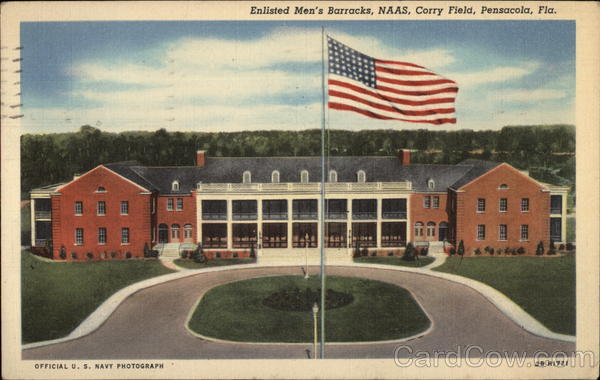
[(173, 249)]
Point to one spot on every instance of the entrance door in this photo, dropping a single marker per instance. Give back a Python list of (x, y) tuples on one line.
[(443, 231), (163, 233)]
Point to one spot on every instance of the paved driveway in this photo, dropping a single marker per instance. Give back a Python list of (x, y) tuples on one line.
[(150, 323)]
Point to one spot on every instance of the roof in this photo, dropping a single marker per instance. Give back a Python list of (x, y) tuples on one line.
[(231, 169)]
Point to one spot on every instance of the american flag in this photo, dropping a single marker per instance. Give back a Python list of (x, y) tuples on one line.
[(388, 90)]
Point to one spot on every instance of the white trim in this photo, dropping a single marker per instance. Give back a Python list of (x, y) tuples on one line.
[(112, 171)]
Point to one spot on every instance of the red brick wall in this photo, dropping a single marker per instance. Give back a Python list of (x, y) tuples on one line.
[(64, 220), (487, 186), (183, 217), (418, 213)]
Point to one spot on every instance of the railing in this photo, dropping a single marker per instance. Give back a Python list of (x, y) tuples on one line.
[(337, 214), (244, 216), (305, 187), (394, 215), (275, 216), (304, 215), (43, 214), (214, 243), (364, 243), (364, 215), (267, 243), (241, 243), (214, 216), (392, 242)]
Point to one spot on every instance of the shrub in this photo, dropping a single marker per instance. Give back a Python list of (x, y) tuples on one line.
[(452, 251), (390, 253), (424, 251), (218, 255), (90, 255), (552, 249), (561, 247), (570, 247), (365, 252), (63, 252), (409, 253), (235, 255), (183, 254), (540, 248), (128, 255), (198, 254), (492, 251), (74, 255), (461, 248), (487, 249), (513, 251), (252, 252), (521, 251), (374, 253), (477, 251), (113, 254), (146, 250), (154, 253)]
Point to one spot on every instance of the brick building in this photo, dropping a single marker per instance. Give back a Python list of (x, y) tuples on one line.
[(231, 205)]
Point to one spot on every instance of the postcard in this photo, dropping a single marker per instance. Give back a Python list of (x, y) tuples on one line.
[(295, 189)]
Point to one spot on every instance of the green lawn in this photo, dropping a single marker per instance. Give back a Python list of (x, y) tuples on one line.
[(57, 297), (379, 311), (423, 260), (190, 264), (542, 286)]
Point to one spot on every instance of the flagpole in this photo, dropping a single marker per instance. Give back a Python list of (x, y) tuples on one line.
[(322, 238)]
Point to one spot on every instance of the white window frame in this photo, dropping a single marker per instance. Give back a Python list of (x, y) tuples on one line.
[(502, 232), (524, 204), (480, 205), (188, 231), (430, 229), (125, 238), (247, 177), (435, 201), (179, 204), (79, 236), (101, 211), (101, 189), (170, 204), (124, 208), (78, 206), (419, 226), (427, 201), (304, 178), (480, 233), (361, 176), (524, 232), (333, 176), (101, 235), (175, 233), (275, 176), (503, 205), (175, 186), (430, 184)]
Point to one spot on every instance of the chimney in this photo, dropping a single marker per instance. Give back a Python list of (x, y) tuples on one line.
[(404, 156), (200, 158)]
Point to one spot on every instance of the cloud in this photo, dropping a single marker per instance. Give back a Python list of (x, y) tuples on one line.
[(524, 95), (492, 75)]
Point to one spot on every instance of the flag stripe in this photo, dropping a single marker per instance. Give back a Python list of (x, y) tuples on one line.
[(344, 107), (388, 90)]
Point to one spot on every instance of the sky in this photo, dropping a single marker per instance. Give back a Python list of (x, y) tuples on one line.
[(209, 76)]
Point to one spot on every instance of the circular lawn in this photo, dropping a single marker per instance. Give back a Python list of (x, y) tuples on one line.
[(278, 309)]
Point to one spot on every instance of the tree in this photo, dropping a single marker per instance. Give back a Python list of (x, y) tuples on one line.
[(540, 248), (409, 253), (198, 255)]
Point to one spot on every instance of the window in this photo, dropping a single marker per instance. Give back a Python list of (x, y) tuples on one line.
[(361, 176), (304, 235), (481, 205), (393, 234), (214, 235), (503, 187), (364, 235), (175, 186), (274, 209), (78, 208), (556, 204), (179, 204), (170, 204), (393, 208), (304, 176), (101, 235), (481, 232), (125, 235), (436, 202), (333, 177), (336, 208), (101, 189), (503, 204), (101, 208), (430, 229), (364, 208), (175, 231), (275, 176), (244, 235), (502, 232), (555, 229), (418, 229), (335, 235), (430, 184), (124, 207), (304, 209), (427, 201), (247, 177), (244, 209), (274, 235), (78, 236), (524, 232), (524, 204), (214, 209), (187, 231)]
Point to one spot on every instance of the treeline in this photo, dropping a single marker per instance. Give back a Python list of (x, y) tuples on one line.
[(52, 158)]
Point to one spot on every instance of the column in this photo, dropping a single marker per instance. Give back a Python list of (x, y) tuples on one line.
[(379, 217), (32, 216), (349, 226), (198, 219), (563, 217), (259, 222), (289, 223), (229, 224)]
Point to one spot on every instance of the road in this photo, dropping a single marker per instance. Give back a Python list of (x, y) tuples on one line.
[(150, 323)]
